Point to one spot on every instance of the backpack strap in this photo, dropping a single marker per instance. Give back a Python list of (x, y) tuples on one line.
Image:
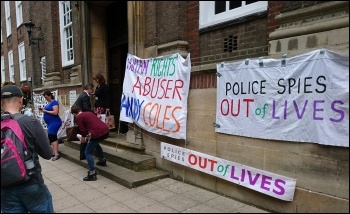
[(14, 126)]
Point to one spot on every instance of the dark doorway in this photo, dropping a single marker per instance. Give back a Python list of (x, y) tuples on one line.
[(117, 39)]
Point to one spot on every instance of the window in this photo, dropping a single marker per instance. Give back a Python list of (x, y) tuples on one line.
[(11, 67), (66, 33), (3, 76), (8, 18), (19, 16), (216, 12), (22, 62), (43, 69)]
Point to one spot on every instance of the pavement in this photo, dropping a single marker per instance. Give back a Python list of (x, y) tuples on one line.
[(73, 195)]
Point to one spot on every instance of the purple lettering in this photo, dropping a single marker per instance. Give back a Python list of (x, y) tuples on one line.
[(233, 173), (341, 112), (317, 109), (252, 181), (265, 180), (274, 110), (280, 190), (299, 115)]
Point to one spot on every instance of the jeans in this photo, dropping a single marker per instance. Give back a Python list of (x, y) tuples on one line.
[(91, 146), (24, 198)]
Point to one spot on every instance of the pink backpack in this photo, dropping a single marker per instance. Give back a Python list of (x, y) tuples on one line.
[(13, 152)]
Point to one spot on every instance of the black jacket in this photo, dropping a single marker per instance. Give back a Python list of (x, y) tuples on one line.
[(102, 96), (83, 102)]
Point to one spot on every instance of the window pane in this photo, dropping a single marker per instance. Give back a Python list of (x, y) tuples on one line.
[(220, 6), (235, 4)]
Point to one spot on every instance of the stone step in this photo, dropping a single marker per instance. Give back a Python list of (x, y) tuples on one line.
[(122, 175), (119, 141), (128, 159)]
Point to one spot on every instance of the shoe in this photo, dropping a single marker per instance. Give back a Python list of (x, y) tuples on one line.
[(56, 157), (90, 176), (82, 158), (101, 163)]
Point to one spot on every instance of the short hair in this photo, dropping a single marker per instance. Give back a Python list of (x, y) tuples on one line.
[(101, 79), (48, 93), (89, 86), (75, 109)]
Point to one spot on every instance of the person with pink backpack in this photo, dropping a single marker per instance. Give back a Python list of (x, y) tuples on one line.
[(28, 193)]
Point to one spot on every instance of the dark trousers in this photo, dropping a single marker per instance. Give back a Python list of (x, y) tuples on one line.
[(82, 150)]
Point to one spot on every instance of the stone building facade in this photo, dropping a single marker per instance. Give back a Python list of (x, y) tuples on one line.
[(104, 32)]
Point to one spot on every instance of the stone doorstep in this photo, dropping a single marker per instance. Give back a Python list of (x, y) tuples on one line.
[(130, 160), (124, 176), (119, 141)]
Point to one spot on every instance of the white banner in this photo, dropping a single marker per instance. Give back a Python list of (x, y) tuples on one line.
[(40, 101), (268, 183), (305, 99), (155, 94)]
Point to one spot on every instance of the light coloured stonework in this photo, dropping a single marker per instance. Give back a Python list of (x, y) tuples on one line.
[(321, 26)]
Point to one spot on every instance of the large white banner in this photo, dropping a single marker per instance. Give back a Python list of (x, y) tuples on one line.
[(304, 98), (155, 94), (272, 184)]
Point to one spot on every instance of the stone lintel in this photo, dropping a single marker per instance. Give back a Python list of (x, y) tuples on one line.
[(180, 47)]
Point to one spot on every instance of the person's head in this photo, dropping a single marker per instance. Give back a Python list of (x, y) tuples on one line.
[(89, 88), (11, 98), (75, 109), (99, 78), (48, 95)]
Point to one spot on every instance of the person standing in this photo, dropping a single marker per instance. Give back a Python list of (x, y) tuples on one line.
[(84, 103), (83, 100), (102, 96), (92, 128), (32, 196), (53, 121)]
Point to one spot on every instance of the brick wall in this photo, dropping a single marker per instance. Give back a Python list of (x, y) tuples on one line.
[(192, 16), (295, 5), (42, 18), (151, 36), (274, 8), (171, 21)]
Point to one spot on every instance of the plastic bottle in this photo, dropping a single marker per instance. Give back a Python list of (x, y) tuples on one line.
[(30, 166)]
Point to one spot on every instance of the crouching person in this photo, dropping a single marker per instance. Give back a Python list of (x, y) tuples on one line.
[(93, 131)]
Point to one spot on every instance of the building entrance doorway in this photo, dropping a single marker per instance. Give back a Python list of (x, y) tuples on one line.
[(117, 43)]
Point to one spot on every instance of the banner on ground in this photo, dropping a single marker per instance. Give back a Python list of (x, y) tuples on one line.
[(40, 101), (268, 183), (155, 94), (303, 98)]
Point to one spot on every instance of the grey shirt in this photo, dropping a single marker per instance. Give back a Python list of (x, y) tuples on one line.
[(36, 140)]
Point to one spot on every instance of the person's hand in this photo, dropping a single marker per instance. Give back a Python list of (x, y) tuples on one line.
[(83, 139)]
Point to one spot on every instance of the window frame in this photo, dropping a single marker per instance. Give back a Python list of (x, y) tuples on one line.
[(3, 71), (8, 18), (11, 66), (22, 62), (209, 18), (66, 32), (43, 68), (19, 13)]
